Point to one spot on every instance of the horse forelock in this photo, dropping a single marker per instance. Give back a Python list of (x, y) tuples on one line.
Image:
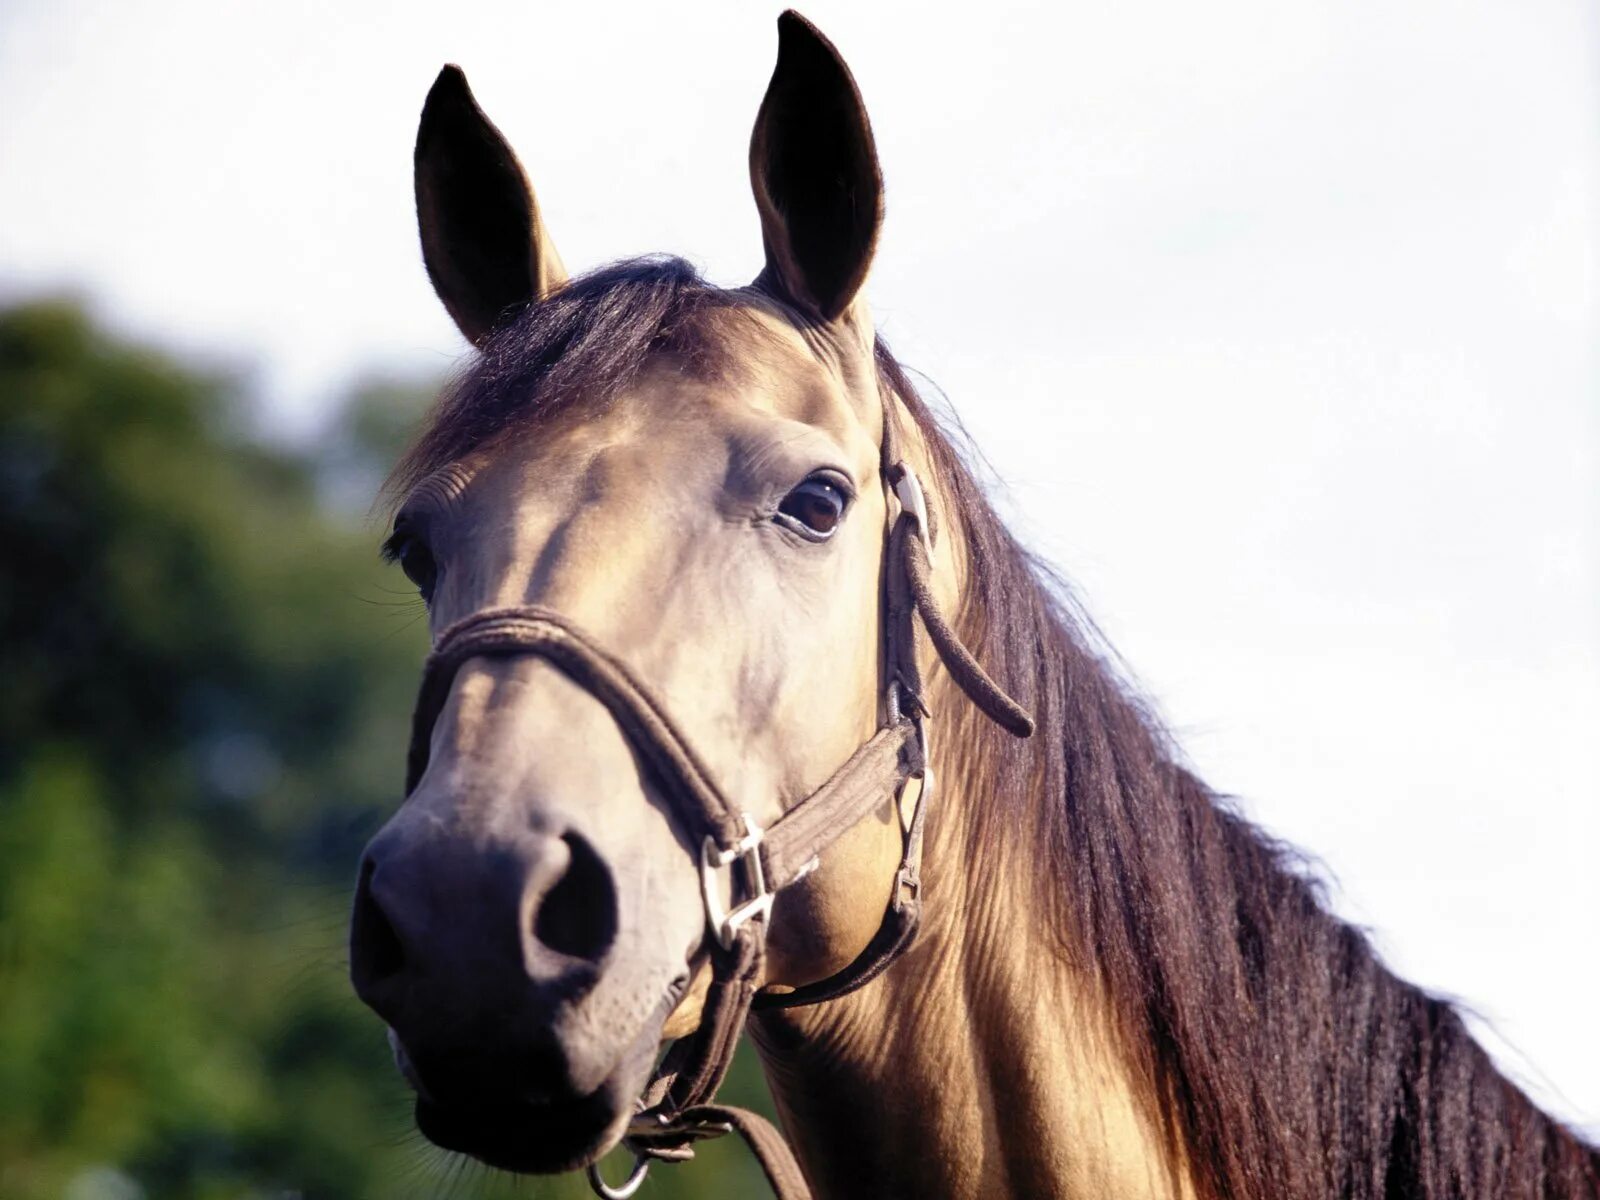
[(582, 344)]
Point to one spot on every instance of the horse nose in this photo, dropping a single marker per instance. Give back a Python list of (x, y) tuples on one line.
[(448, 927)]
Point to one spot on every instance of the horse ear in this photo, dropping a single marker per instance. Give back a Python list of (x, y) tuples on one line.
[(483, 241), (814, 170)]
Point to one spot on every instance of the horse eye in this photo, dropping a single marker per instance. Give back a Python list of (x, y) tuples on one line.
[(416, 560), (815, 508)]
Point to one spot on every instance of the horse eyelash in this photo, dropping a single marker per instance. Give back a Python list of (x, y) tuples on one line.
[(404, 527)]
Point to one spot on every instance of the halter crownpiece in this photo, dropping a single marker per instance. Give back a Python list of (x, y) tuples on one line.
[(677, 1107)]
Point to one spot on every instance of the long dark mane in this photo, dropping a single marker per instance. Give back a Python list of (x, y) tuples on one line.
[(1276, 1052)]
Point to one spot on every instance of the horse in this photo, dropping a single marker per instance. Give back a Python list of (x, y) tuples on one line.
[(745, 710)]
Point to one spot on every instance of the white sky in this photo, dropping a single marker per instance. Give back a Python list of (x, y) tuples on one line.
[(1278, 320)]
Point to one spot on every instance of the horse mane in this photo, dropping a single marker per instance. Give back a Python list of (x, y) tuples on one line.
[(1275, 1052)]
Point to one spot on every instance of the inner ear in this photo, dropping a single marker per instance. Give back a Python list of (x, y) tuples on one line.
[(483, 240), (814, 171)]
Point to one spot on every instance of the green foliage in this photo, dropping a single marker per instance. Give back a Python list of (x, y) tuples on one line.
[(206, 681)]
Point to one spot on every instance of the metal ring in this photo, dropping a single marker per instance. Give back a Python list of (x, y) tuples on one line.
[(641, 1168)]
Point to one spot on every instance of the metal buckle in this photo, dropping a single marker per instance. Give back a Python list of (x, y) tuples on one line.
[(908, 490), (725, 924), (641, 1168), (908, 879), (907, 885)]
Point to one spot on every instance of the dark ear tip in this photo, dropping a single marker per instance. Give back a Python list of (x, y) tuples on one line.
[(793, 26), (449, 101), (451, 84)]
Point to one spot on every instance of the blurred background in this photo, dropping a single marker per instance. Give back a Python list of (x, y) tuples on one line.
[(1276, 323)]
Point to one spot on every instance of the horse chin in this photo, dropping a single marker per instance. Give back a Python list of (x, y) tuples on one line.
[(530, 1139), (545, 1136)]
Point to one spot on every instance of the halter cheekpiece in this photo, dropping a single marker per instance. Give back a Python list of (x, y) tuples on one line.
[(755, 863)]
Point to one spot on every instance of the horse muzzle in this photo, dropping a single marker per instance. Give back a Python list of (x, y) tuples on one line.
[(494, 955)]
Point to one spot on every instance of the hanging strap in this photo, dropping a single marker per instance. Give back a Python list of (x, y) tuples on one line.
[(971, 678)]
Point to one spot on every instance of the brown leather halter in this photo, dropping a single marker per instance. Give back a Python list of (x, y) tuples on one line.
[(678, 1107)]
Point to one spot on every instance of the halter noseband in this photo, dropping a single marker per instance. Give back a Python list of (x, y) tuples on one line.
[(677, 1107)]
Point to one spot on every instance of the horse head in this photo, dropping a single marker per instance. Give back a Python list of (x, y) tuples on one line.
[(693, 477)]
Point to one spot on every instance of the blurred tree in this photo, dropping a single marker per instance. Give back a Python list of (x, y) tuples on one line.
[(206, 680)]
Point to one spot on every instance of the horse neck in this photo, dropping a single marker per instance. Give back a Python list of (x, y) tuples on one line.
[(981, 1064)]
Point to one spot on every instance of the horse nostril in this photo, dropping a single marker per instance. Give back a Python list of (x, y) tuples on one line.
[(578, 916), (375, 950)]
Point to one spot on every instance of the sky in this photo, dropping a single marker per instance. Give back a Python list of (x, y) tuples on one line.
[(1276, 322)]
